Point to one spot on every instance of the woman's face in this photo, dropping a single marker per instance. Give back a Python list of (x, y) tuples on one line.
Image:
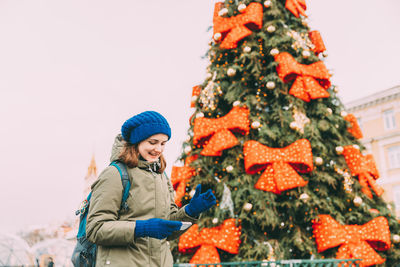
[(152, 148)]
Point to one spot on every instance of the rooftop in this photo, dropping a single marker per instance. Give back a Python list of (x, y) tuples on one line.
[(374, 99)]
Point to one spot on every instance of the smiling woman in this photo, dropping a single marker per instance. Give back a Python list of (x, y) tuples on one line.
[(138, 236)]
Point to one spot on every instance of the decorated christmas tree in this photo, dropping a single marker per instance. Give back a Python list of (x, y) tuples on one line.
[(273, 141)]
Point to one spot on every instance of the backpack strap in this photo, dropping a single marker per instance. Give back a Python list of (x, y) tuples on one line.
[(126, 184)]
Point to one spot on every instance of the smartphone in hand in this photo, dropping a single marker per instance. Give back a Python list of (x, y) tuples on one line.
[(185, 225)]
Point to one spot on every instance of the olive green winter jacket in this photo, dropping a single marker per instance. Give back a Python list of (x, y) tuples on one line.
[(151, 196)]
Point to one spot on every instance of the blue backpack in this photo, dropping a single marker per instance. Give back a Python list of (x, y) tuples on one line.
[(84, 254)]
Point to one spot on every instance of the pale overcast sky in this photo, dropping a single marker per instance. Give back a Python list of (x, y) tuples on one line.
[(71, 72)]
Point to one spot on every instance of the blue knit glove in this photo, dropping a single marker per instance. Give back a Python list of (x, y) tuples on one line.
[(200, 202), (156, 228)]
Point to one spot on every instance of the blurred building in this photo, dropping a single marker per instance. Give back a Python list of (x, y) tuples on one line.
[(378, 116)]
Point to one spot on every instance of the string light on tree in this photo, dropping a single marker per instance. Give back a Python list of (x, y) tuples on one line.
[(396, 239), (329, 111), (208, 96), (343, 113), (215, 220), (348, 182)]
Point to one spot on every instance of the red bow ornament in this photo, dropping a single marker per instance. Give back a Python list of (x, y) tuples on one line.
[(355, 241), (180, 176), (236, 28), (364, 167), (355, 129), (297, 7), (237, 120), (225, 237), (311, 81), (281, 164), (195, 94), (317, 41)]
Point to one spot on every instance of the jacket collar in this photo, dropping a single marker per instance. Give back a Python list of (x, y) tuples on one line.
[(144, 164)]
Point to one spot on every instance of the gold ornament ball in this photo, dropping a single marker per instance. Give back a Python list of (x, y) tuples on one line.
[(304, 196), (357, 201), (396, 238), (267, 3), (339, 150), (188, 149), (215, 220), (223, 12), (274, 51), (247, 49), (208, 76), (293, 125), (236, 103), (217, 36), (242, 7), (270, 85), (306, 53), (188, 138), (329, 110), (231, 72), (319, 161), (194, 98), (200, 115), (255, 124), (336, 89), (271, 28), (229, 168), (248, 206), (343, 113)]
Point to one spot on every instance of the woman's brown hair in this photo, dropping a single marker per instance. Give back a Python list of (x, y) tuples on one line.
[(130, 156)]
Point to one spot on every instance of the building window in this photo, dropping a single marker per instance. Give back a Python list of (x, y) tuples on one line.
[(394, 157), (389, 120), (396, 196)]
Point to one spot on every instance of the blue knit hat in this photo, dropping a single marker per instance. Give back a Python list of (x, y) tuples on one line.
[(144, 125)]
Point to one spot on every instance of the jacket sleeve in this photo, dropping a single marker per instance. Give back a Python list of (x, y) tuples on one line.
[(177, 214), (103, 227)]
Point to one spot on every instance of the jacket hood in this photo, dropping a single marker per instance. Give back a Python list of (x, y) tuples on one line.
[(117, 147)]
